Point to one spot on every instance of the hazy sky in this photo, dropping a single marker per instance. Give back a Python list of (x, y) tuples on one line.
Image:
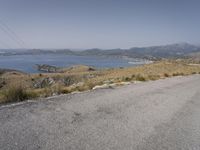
[(98, 23)]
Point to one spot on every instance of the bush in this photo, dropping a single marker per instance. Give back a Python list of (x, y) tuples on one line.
[(178, 74), (16, 93), (47, 91), (139, 77), (65, 91), (69, 80), (90, 85), (153, 77), (127, 79), (40, 75), (82, 88), (166, 75), (133, 76)]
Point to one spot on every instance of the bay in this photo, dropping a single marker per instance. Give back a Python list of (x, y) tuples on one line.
[(26, 63)]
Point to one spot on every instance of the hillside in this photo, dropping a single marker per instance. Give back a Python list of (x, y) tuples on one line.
[(178, 50), (16, 86)]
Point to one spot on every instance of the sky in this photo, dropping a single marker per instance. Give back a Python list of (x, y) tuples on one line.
[(106, 24)]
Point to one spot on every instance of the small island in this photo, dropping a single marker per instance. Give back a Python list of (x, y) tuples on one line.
[(47, 68)]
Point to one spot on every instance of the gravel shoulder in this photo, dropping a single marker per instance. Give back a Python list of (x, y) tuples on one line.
[(161, 114)]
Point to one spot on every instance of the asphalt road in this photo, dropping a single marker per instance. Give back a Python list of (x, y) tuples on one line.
[(155, 115)]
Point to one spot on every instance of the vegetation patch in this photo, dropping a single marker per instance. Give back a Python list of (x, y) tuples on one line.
[(139, 77), (166, 75), (15, 93), (179, 74), (17, 86)]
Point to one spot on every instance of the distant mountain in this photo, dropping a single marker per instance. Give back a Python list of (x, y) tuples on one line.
[(166, 51), (35, 52), (154, 52)]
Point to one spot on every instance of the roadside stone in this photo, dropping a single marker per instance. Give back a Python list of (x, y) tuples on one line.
[(44, 82)]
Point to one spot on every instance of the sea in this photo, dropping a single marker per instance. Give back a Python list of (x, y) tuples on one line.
[(27, 63)]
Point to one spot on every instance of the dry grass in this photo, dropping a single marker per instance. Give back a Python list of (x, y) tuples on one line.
[(82, 78), (16, 93)]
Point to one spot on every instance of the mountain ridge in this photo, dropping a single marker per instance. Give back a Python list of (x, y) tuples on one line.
[(176, 50)]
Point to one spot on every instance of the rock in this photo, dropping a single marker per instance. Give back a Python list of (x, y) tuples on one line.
[(68, 80), (112, 85), (79, 84), (104, 86), (44, 82), (125, 83), (108, 82)]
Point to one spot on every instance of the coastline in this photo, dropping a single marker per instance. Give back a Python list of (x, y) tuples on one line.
[(83, 78)]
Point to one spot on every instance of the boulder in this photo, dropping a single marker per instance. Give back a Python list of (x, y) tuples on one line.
[(43, 82)]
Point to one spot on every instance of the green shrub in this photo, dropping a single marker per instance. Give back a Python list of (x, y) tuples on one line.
[(127, 79), (40, 75), (153, 77), (91, 85), (69, 80), (82, 88), (193, 72), (178, 74), (65, 91), (47, 91), (16, 93), (166, 75), (139, 77), (31, 94)]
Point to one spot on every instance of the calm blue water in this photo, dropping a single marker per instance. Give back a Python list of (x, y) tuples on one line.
[(26, 63)]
